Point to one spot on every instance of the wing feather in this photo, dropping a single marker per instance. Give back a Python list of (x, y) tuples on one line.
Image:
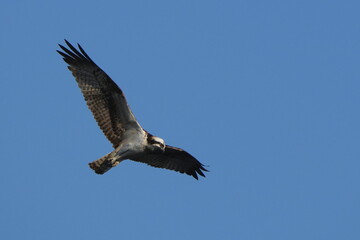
[(103, 97), (174, 159)]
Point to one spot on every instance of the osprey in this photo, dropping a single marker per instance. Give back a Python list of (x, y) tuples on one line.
[(113, 115)]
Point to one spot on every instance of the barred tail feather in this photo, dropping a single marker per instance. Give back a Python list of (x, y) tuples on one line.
[(103, 164)]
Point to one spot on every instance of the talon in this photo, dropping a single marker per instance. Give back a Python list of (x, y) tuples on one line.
[(115, 163)]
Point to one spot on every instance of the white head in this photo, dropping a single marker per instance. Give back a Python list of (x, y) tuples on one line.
[(155, 144)]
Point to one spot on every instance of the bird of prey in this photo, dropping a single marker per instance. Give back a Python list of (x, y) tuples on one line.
[(113, 115)]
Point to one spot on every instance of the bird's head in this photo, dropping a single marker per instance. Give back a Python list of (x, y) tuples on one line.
[(156, 144)]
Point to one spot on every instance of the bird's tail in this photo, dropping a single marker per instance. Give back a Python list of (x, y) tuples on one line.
[(104, 164)]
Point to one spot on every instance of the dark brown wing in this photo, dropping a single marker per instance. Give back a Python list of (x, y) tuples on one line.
[(103, 97), (174, 159)]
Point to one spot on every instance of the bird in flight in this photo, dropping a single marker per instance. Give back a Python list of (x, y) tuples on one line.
[(113, 115)]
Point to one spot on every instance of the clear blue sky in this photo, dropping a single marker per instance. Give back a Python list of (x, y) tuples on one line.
[(266, 93)]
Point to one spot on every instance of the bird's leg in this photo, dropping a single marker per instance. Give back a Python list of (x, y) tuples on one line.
[(115, 163)]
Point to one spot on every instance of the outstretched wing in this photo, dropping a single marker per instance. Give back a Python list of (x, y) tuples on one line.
[(103, 97), (174, 159)]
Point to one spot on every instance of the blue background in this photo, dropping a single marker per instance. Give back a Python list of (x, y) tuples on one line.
[(266, 93)]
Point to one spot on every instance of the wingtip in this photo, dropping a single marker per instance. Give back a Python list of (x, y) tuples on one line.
[(199, 171), (202, 167)]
